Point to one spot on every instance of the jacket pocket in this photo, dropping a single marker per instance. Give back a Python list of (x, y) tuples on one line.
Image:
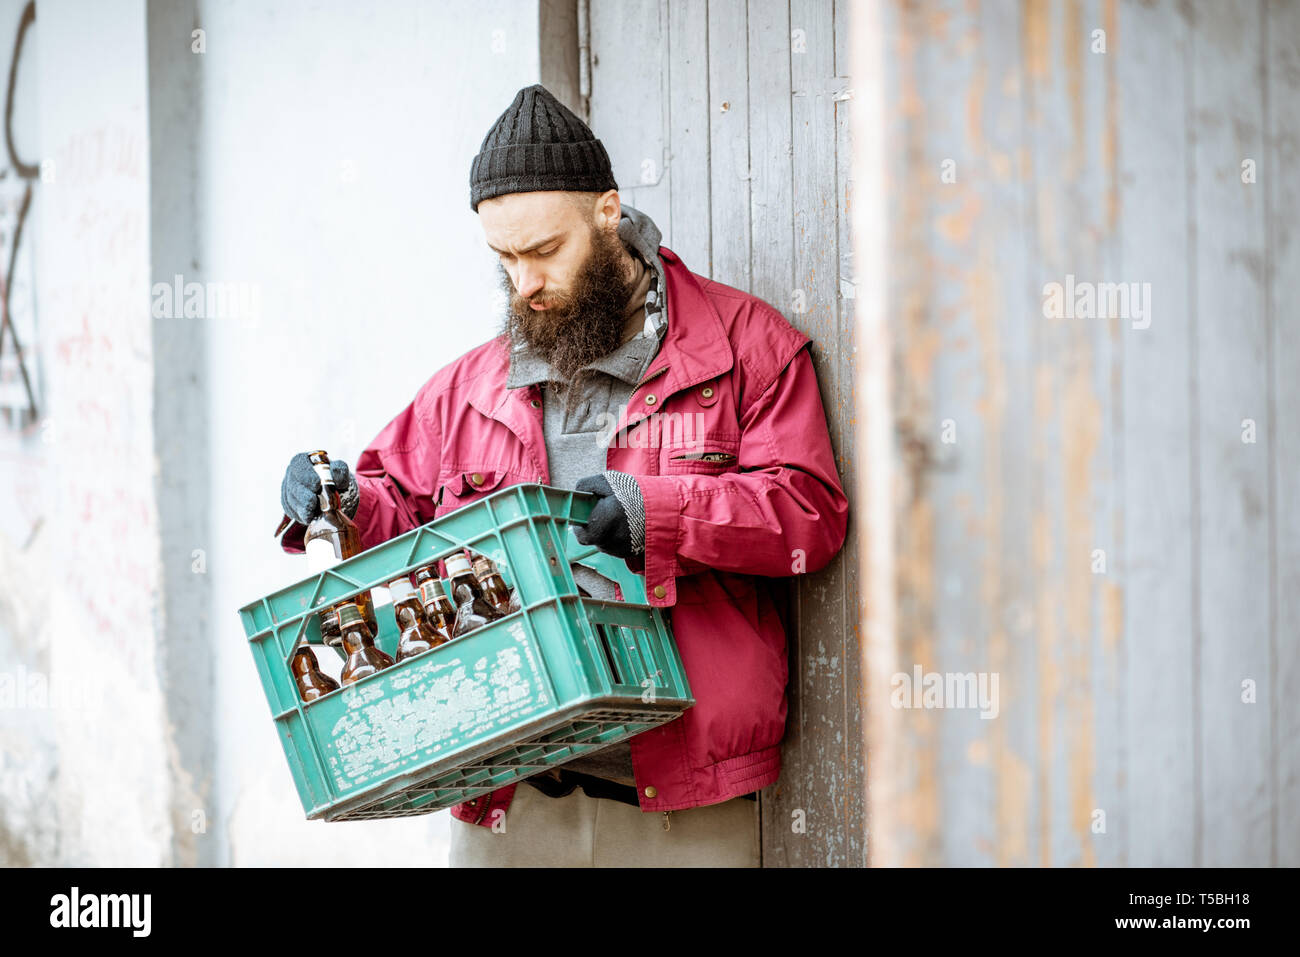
[(710, 455), (459, 488)]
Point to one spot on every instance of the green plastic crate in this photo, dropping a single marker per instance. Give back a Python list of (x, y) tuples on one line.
[(566, 676)]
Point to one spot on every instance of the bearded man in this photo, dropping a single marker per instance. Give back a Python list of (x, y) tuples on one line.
[(607, 334)]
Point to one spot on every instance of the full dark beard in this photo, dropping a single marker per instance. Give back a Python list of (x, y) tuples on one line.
[(581, 326)]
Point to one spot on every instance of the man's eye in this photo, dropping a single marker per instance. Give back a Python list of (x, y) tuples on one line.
[(549, 252)]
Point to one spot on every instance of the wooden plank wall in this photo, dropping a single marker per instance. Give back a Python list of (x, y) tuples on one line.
[(726, 122), (1114, 529)]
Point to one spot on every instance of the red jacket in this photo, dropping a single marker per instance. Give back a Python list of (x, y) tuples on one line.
[(770, 504)]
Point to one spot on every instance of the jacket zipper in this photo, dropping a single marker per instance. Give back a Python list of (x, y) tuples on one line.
[(653, 375), (721, 458)]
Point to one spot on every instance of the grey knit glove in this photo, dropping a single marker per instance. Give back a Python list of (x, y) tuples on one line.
[(617, 523), (301, 487)]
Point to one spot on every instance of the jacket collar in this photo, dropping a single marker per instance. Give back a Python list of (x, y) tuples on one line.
[(696, 347)]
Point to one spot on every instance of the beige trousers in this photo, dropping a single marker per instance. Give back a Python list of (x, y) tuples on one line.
[(580, 831)]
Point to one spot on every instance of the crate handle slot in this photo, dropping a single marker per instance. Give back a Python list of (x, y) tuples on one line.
[(611, 657)]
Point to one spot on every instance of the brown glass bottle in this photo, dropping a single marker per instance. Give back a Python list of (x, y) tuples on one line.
[(438, 609), (329, 627), (332, 537), (491, 584), (472, 612), (460, 572), (417, 634), (312, 682), (472, 609), (364, 659)]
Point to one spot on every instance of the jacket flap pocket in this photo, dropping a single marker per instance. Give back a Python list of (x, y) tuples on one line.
[(475, 482), (712, 457), (710, 454)]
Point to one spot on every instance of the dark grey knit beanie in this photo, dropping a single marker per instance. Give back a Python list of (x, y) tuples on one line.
[(538, 144)]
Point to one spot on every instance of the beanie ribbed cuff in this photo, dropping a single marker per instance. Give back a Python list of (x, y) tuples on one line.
[(538, 144)]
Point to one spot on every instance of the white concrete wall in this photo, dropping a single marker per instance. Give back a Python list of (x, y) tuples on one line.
[(28, 762), (334, 172), (321, 151), (100, 522)]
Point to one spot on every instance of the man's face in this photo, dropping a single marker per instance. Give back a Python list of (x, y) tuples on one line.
[(564, 270)]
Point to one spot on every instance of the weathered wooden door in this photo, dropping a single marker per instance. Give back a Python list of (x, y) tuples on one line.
[(727, 123)]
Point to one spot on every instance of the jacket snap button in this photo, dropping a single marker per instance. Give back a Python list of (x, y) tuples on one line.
[(707, 392), (660, 591), (476, 478), (536, 403), (650, 400), (651, 791)]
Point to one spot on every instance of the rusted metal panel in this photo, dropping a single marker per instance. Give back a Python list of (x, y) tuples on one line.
[(1070, 428), (917, 164), (1098, 782), (1157, 828), (982, 355), (1231, 397), (1282, 120), (1103, 535)]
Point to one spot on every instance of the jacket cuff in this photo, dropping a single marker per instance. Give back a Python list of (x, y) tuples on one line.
[(292, 540), (661, 499), (351, 499), (628, 494), (363, 514)]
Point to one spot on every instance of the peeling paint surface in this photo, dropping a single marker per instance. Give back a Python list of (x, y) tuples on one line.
[(400, 722)]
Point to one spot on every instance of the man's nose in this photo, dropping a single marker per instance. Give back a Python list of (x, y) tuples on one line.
[(529, 284)]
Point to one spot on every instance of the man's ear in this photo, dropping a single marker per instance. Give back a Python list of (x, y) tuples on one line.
[(609, 209)]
